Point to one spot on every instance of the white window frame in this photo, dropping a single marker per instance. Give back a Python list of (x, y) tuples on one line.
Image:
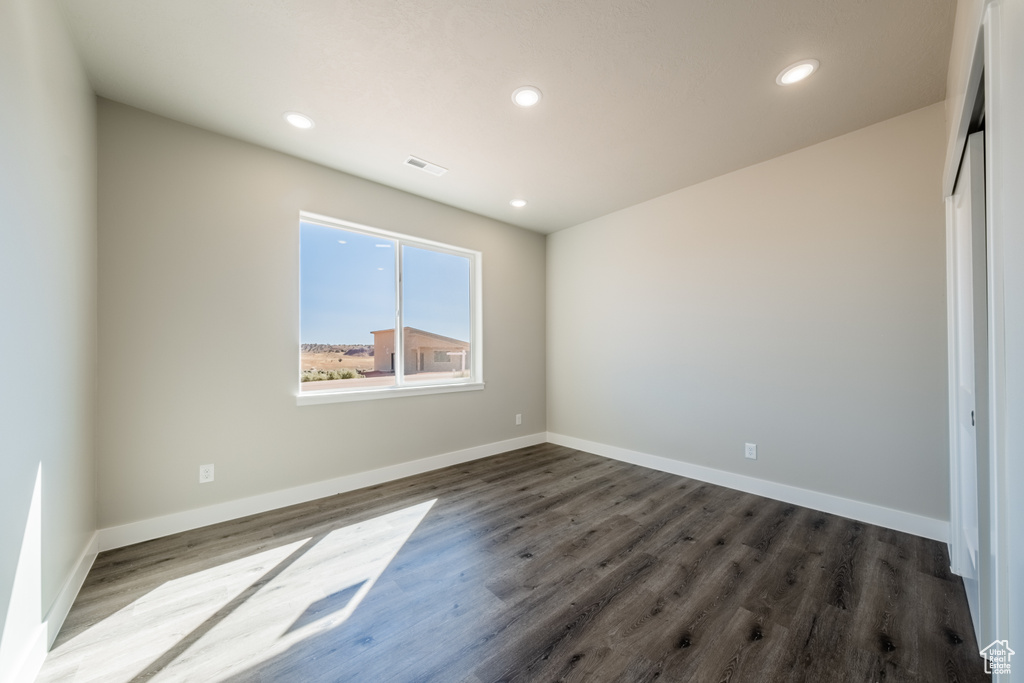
[(474, 382)]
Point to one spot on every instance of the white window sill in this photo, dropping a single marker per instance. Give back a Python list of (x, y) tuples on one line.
[(314, 398)]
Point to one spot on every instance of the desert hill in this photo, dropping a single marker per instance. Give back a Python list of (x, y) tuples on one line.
[(345, 349)]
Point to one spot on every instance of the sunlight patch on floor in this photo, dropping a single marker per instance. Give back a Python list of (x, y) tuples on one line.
[(169, 613), (227, 619)]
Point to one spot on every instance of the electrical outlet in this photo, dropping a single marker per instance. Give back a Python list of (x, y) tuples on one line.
[(519, 418), (205, 474), (751, 451)]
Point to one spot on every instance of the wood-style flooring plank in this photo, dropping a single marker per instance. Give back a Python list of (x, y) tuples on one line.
[(541, 564)]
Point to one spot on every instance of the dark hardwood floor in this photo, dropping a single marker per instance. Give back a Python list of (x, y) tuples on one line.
[(542, 564)]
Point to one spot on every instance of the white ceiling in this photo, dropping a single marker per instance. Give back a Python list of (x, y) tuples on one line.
[(641, 97)]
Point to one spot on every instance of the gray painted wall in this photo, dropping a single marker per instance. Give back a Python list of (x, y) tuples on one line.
[(798, 304), (199, 320), (48, 314)]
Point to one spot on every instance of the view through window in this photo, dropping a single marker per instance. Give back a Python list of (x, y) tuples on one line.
[(360, 285)]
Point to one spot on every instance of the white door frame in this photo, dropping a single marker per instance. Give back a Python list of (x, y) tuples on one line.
[(957, 552), (998, 51)]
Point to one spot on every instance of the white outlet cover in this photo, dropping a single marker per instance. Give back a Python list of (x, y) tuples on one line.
[(205, 474), (751, 451)]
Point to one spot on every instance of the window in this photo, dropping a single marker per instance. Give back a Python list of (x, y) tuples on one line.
[(384, 314)]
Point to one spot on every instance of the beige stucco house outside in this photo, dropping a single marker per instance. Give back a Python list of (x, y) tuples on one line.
[(424, 352)]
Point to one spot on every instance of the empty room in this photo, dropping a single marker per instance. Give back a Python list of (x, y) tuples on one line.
[(468, 341)]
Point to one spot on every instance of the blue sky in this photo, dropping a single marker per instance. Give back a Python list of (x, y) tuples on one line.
[(348, 287)]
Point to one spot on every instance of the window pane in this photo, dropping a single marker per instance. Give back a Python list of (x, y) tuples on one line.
[(347, 309), (437, 321)]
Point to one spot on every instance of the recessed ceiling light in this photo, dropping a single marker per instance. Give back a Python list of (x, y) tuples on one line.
[(797, 72), (518, 203), (526, 96), (298, 120)]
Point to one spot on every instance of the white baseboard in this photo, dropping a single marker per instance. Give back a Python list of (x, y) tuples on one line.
[(45, 632), (148, 529), (899, 520), (69, 591), (31, 662)]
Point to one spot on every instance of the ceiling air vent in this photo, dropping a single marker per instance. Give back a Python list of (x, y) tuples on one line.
[(426, 166)]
